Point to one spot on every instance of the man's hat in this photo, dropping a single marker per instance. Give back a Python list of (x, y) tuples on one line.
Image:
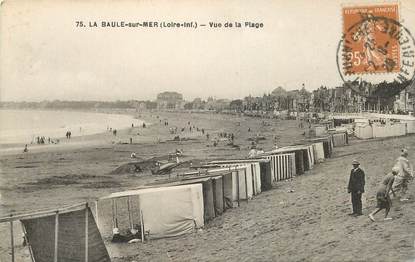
[(355, 162)]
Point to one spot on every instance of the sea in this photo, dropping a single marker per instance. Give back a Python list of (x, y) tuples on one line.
[(23, 126)]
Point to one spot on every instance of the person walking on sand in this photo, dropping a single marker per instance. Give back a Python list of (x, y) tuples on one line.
[(356, 187), (25, 150), (382, 196), (404, 175)]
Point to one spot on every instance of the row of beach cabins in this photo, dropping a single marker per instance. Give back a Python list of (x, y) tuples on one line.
[(365, 125), (167, 208), (373, 125), (187, 202)]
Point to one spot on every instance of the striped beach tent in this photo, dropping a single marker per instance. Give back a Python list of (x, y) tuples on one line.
[(209, 209), (63, 234), (246, 189), (318, 151), (218, 195), (259, 168), (327, 144), (312, 157), (231, 189), (233, 179), (282, 165), (302, 157), (340, 139), (363, 131), (389, 130), (308, 155)]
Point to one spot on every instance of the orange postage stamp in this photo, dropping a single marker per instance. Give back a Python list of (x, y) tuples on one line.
[(371, 39)]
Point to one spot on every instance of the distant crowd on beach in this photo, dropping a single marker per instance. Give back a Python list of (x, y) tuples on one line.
[(190, 127), (214, 139), (41, 140)]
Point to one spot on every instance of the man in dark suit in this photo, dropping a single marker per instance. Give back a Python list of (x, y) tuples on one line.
[(356, 187)]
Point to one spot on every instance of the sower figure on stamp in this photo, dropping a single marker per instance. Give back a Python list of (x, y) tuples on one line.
[(356, 187), (405, 174)]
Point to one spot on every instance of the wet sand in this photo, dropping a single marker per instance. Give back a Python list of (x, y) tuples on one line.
[(309, 224)]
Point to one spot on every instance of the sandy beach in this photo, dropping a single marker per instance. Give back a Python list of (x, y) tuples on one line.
[(309, 223)]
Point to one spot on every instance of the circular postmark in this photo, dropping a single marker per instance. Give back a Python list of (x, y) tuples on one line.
[(376, 49)]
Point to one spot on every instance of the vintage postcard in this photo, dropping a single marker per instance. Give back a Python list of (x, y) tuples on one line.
[(154, 130)]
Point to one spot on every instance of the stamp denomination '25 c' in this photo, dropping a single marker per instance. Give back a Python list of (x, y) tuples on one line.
[(371, 40)]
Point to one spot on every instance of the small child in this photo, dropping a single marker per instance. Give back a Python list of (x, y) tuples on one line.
[(382, 196)]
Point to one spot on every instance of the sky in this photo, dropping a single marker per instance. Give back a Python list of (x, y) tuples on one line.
[(44, 56)]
